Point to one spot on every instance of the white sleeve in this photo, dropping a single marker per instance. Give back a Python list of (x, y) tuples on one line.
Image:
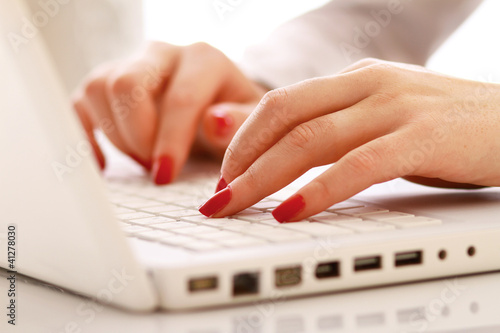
[(81, 34), (325, 40)]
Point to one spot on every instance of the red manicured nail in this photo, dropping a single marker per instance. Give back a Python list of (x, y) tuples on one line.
[(223, 124), (217, 202), (222, 184), (162, 170), (289, 208)]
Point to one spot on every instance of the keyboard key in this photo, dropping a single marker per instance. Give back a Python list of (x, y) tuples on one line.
[(242, 242), (195, 230), (200, 245), (249, 229), (266, 205), (272, 223), (134, 229), (154, 235), (366, 226), (140, 204), (225, 222), (336, 219), (152, 220), (360, 211), (192, 203), (219, 235), (279, 236), (162, 209), (322, 214), (177, 240), (249, 211), (344, 205), (414, 222), (131, 216), (386, 216), (212, 221), (173, 225), (177, 214), (316, 229), (256, 217)]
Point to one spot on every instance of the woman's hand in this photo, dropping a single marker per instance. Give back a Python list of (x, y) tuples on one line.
[(378, 121), (155, 105)]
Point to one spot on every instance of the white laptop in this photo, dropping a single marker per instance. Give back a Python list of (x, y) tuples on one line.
[(142, 247)]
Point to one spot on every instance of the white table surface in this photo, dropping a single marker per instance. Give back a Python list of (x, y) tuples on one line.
[(464, 304)]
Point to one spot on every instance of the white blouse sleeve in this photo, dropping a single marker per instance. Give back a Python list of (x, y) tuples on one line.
[(325, 40)]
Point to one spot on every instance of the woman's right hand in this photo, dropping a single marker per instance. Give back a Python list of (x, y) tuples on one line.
[(156, 104)]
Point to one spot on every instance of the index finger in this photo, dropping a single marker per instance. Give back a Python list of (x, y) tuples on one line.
[(283, 109)]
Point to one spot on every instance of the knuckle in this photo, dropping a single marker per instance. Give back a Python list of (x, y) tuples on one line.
[(380, 71), (94, 87), (303, 136), (252, 178), (123, 83), (321, 188), (182, 98), (367, 62), (202, 48), (155, 45), (364, 160), (230, 162), (275, 98)]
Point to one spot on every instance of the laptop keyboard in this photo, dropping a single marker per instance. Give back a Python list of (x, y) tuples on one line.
[(169, 215)]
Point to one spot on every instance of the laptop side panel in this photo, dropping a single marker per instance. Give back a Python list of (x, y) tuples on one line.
[(50, 187)]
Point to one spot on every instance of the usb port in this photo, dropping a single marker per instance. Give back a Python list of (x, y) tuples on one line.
[(367, 263), (203, 284), (288, 276), (328, 269), (408, 258), (245, 284)]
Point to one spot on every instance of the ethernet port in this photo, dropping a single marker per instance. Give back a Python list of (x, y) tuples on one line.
[(246, 284)]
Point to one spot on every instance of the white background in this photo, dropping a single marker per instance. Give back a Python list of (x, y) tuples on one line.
[(472, 52)]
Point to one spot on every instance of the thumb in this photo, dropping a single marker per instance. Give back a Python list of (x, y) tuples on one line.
[(221, 122)]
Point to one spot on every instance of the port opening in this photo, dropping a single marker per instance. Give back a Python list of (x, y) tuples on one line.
[(408, 258), (328, 270), (288, 276), (246, 284), (367, 263), (203, 284)]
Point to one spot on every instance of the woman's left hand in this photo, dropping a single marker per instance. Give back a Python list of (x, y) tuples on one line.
[(378, 121)]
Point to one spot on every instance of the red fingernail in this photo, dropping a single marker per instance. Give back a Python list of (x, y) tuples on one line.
[(223, 123), (162, 170), (222, 184), (217, 202), (289, 208)]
